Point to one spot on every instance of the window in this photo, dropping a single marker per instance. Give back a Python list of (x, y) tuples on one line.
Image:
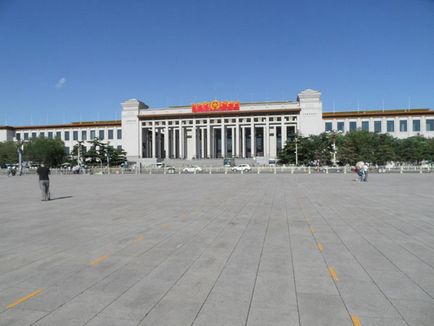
[(67, 135), (58, 135), (390, 126), (75, 135), (42, 134), (101, 134), (33, 134), (353, 125), (50, 134), (341, 126), (328, 126), (377, 126), (83, 135), (66, 150), (429, 124), (119, 133), (119, 147), (18, 136), (92, 134), (365, 125), (110, 134), (26, 136), (416, 125), (403, 125)]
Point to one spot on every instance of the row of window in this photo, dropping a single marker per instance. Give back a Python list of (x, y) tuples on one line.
[(390, 126), (240, 120), (75, 135)]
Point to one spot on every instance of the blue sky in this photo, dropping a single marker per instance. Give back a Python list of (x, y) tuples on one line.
[(63, 61)]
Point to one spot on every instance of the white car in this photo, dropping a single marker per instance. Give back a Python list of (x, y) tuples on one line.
[(192, 169), (242, 168)]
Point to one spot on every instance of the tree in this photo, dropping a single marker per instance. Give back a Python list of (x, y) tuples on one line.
[(101, 153), (8, 152), (44, 149)]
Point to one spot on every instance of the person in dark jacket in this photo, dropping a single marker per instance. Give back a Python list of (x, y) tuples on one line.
[(44, 181)]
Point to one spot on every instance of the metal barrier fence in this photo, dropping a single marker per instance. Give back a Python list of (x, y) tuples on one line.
[(228, 170)]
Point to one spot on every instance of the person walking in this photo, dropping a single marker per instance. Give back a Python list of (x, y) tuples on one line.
[(44, 181)]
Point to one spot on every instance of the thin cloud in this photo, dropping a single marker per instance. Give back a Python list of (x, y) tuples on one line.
[(61, 82)]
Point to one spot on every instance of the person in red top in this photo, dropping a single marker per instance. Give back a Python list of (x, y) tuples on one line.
[(44, 181)]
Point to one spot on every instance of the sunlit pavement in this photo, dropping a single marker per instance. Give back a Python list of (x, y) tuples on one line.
[(218, 250)]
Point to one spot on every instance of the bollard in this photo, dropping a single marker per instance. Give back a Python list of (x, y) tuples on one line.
[(209, 170), (308, 170), (242, 171), (292, 170), (259, 170), (150, 171), (179, 172), (402, 170), (327, 170), (345, 170), (420, 170), (275, 171), (226, 171)]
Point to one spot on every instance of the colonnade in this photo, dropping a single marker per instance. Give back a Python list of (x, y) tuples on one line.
[(216, 138)]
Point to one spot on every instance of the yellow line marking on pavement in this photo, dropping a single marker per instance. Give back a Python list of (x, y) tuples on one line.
[(356, 320), (312, 230), (333, 273), (27, 297), (165, 226), (138, 239), (320, 246), (98, 260)]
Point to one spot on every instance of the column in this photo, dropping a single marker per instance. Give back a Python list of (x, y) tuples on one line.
[(202, 142), (194, 139), (237, 138), (140, 139), (267, 138), (233, 141), (208, 139), (223, 140), (252, 139), (173, 144), (159, 143), (243, 141), (153, 140), (181, 141), (166, 141), (283, 133)]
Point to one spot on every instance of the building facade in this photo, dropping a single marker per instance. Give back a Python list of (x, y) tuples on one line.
[(223, 129), (397, 123)]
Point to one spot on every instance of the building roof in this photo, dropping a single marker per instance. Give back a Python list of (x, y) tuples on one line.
[(7, 127), (241, 104), (215, 114), (377, 113), (83, 124)]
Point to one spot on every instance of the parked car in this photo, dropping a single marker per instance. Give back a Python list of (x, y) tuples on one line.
[(170, 169), (192, 169), (242, 168)]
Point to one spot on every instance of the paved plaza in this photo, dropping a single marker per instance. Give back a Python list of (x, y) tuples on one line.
[(230, 250)]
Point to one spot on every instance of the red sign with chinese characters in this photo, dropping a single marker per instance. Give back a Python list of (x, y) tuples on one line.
[(215, 106)]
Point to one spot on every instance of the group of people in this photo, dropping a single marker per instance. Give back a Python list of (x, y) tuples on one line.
[(12, 170), (362, 171)]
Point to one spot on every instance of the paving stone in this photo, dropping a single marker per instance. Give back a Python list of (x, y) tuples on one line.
[(218, 250)]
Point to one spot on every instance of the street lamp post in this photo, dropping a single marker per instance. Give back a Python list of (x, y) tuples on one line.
[(20, 151), (108, 161), (296, 150), (334, 134)]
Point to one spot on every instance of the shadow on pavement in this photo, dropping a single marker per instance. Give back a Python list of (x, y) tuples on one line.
[(57, 198)]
